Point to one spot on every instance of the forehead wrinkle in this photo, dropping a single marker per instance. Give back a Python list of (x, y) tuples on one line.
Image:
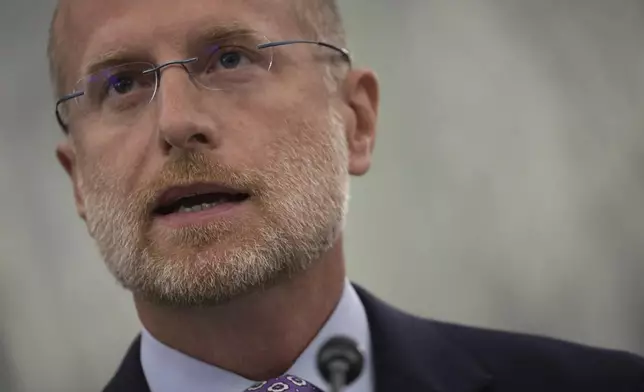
[(115, 38), (214, 31)]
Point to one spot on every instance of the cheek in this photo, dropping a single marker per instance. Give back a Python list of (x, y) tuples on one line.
[(276, 117), (115, 160), (107, 173), (251, 130)]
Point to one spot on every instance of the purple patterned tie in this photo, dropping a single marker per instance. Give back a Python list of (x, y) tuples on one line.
[(285, 383)]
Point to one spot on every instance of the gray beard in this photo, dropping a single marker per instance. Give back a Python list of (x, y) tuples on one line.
[(302, 226)]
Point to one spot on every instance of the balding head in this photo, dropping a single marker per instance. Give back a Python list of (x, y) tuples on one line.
[(320, 20)]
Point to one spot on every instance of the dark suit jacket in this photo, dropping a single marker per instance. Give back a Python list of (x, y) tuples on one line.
[(414, 354)]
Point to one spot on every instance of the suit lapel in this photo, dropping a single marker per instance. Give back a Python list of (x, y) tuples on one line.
[(411, 354), (129, 377)]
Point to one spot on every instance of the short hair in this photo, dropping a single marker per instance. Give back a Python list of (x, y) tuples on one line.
[(317, 19), (321, 20), (53, 53)]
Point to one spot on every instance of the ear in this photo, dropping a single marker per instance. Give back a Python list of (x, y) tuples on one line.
[(362, 95), (67, 157)]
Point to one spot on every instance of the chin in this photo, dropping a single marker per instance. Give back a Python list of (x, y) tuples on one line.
[(188, 277)]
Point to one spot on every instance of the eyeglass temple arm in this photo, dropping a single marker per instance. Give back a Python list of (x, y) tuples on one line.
[(61, 101), (344, 52)]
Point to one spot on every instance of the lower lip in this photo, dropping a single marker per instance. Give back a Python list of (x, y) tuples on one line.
[(182, 219)]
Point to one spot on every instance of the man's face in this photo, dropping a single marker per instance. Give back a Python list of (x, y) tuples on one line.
[(206, 194)]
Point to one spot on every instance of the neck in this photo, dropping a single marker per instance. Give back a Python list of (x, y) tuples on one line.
[(260, 335)]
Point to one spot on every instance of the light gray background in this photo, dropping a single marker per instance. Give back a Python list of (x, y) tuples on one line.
[(506, 191)]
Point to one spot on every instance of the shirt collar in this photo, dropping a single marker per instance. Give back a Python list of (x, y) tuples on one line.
[(168, 370)]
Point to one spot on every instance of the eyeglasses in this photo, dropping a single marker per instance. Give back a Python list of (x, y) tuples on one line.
[(116, 95)]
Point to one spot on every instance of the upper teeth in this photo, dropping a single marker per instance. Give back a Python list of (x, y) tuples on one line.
[(198, 207)]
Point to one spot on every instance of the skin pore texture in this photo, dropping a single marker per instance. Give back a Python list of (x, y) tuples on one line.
[(249, 289)]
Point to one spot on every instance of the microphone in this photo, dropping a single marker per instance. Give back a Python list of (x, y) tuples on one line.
[(340, 362)]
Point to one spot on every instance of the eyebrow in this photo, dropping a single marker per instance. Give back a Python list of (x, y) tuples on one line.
[(208, 35), (113, 57), (196, 40)]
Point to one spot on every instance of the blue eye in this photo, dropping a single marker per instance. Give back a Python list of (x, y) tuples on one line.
[(230, 60), (121, 84)]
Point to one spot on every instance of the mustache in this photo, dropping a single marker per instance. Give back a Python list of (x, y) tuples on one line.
[(192, 167)]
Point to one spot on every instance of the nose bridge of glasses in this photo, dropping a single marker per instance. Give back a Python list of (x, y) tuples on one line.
[(182, 63), (157, 70), (176, 94)]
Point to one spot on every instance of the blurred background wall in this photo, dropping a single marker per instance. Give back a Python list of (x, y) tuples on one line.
[(507, 189)]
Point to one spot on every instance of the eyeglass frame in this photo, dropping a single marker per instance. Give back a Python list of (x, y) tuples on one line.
[(346, 55)]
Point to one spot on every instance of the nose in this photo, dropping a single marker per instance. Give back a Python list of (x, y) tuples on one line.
[(181, 122)]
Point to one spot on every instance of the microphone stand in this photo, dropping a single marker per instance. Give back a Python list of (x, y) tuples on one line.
[(340, 362), (338, 376)]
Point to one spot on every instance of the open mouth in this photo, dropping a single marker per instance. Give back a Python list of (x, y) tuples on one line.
[(196, 198)]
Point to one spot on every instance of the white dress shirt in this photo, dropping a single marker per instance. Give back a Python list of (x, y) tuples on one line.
[(168, 370)]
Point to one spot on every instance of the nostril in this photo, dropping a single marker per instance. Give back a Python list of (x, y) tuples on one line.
[(199, 138), (195, 140), (187, 138)]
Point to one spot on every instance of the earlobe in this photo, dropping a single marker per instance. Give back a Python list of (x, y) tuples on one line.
[(362, 93), (67, 158)]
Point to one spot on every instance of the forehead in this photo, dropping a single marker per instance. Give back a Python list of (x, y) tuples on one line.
[(90, 28)]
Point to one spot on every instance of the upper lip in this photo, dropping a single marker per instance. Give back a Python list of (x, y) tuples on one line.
[(175, 193)]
